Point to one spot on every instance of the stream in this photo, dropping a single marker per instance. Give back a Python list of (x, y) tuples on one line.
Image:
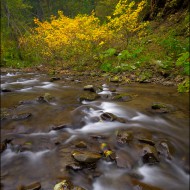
[(48, 133)]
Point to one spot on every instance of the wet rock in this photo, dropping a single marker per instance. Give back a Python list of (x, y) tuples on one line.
[(108, 116), (124, 160), (74, 166), (146, 141), (41, 99), (27, 146), (80, 113), (21, 116), (122, 97), (124, 136), (6, 90), (86, 156), (54, 79), (66, 185), (88, 97), (48, 97), (89, 88), (111, 117), (81, 144), (33, 186), (3, 146), (56, 128), (98, 137), (158, 107), (149, 155), (165, 149)]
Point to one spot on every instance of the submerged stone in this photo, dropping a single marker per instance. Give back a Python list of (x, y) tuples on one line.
[(124, 160), (21, 116)]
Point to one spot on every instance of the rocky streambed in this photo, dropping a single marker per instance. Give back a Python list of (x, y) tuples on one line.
[(75, 132)]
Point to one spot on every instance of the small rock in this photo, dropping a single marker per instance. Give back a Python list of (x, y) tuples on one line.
[(123, 160), (74, 167), (59, 127), (146, 141), (150, 155), (122, 97), (158, 107), (81, 144), (6, 90), (3, 146), (124, 136), (66, 185), (111, 117), (89, 97), (86, 156), (89, 88), (165, 149), (48, 97), (108, 117), (54, 79), (41, 99)]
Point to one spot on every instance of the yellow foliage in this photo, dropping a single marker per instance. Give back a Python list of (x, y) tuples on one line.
[(125, 19), (82, 37)]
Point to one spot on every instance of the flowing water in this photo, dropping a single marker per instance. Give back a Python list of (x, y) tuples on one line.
[(35, 152)]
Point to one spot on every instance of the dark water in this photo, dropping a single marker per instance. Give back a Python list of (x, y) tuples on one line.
[(37, 153)]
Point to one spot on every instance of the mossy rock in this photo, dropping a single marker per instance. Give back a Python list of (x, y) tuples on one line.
[(88, 97), (125, 97), (159, 107), (48, 97)]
